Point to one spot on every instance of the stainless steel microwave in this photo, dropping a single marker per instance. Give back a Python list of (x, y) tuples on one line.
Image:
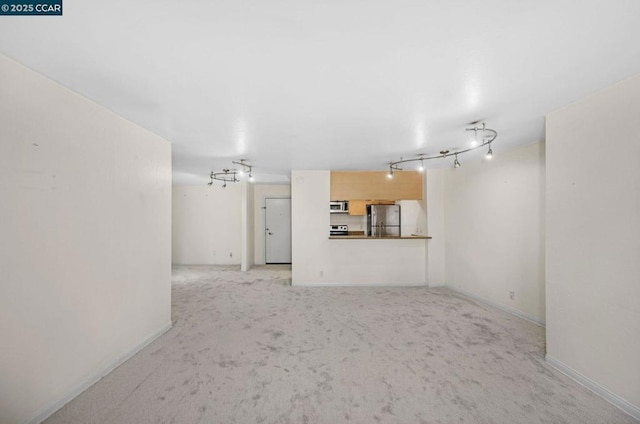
[(339, 206)]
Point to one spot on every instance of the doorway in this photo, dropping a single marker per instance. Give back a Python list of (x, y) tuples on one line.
[(277, 233)]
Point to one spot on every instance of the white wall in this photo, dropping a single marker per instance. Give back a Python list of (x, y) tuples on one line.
[(413, 217), (207, 225), (261, 192), (320, 261), (494, 229), (85, 254), (248, 231), (593, 239), (212, 223), (434, 195)]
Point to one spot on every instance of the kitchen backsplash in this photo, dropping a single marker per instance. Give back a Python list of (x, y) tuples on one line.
[(355, 223)]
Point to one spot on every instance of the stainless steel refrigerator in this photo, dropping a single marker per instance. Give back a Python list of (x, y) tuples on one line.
[(383, 220)]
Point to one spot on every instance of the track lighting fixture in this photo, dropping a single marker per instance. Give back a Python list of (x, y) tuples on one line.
[(487, 137), (231, 175), (226, 176), (246, 168)]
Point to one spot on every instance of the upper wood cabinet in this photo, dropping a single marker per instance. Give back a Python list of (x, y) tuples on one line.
[(363, 185), (357, 207)]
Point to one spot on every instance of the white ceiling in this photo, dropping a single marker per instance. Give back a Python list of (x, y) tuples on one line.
[(349, 84)]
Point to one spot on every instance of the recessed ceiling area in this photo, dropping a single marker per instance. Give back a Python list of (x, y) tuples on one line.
[(328, 84)]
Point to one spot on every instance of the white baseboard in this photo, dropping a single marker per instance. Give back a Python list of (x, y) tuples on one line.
[(505, 308), (612, 398), (328, 284), (95, 377)]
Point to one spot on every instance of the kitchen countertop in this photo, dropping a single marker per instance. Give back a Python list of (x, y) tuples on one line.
[(362, 237)]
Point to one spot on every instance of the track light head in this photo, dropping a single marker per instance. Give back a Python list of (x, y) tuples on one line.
[(456, 162), (474, 142)]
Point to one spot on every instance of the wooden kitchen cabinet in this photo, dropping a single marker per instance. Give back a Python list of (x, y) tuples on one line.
[(357, 207), (358, 185)]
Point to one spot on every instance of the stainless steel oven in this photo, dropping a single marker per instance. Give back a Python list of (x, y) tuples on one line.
[(338, 230)]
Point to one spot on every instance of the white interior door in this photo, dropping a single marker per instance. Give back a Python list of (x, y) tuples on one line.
[(277, 232)]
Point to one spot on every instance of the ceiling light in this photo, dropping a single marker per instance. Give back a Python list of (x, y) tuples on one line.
[(487, 136), (394, 167), (226, 176), (231, 175), (489, 153), (246, 168), (251, 179)]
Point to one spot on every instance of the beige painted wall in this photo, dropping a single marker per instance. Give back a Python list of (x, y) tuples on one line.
[(207, 225), (212, 223), (413, 217), (85, 254), (323, 262), (248, 222), (593, 238), (494, 229), (434, 195)]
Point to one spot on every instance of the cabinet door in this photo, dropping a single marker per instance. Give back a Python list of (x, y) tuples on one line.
[(357, 207)]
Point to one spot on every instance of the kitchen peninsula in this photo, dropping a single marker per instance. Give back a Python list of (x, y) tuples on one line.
[(394, 210), (363, 237), (323, 260)]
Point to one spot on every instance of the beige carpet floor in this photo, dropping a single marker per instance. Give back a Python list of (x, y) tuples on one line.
[(248, 348)]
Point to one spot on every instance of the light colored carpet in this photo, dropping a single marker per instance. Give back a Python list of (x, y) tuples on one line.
[(247, 348)]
